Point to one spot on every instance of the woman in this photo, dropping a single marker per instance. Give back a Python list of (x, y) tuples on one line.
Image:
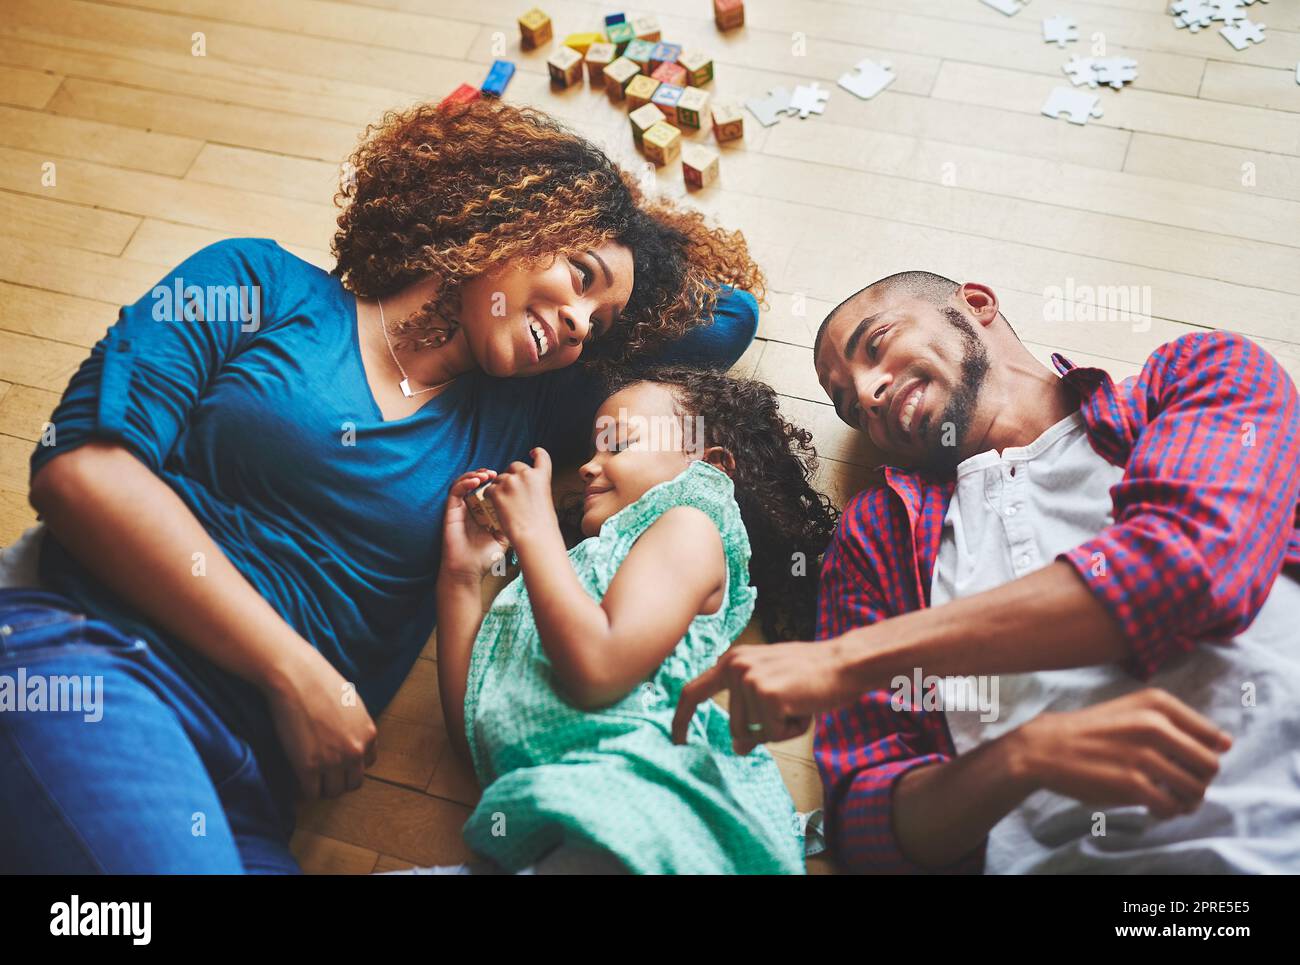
[(246, 481)]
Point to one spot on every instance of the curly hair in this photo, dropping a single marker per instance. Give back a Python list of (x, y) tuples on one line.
[(787, 520), (465, 190)]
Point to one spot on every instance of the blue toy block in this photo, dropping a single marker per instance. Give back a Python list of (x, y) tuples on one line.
[(613, 18), (498, 77)]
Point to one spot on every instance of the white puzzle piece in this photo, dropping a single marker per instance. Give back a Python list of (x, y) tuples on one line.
[(1243, 33), (1115, 71), (1229, 11), (1076, 106), (1060, 31), (867, 79), (769, 108), (808, 99), (1009, 7), (1193, 14)]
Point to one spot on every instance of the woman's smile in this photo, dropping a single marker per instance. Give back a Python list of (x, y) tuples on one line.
[(541, 336)]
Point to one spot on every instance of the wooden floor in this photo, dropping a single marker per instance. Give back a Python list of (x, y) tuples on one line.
[(1188, 187)]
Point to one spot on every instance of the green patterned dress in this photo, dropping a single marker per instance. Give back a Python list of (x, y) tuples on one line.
[(612, 779)]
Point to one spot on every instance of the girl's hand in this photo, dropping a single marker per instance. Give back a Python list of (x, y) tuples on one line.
[(522, 498), (468, 550)]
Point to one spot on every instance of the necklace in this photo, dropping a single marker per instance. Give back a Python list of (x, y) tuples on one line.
[(405, 384)]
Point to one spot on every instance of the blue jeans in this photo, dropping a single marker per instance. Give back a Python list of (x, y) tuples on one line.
[(121, 767)]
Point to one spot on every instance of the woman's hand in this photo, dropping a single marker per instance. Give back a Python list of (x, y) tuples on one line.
[(468, 549), (323, 726), (522, 499)]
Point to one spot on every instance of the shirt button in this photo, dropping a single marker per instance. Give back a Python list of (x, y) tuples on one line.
[(1011, 510), (1024, 560)]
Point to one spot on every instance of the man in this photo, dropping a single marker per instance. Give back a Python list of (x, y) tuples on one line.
[(1117, 563)]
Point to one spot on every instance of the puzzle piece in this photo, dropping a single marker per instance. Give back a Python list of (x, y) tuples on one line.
[(1060, 30), (808, 100), (1242, 33), (1009, 7), (1193, 14), (769, 108), (867, 79), (1079, 70), (1229, 11), (1115, 71), (1075, 105)]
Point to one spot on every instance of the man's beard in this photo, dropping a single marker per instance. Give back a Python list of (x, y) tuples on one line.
[(940, 458)]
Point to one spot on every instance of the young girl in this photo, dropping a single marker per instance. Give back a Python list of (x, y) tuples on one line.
[(563, 695)]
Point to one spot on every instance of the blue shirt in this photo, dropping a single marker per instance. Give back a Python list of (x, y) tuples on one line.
[(269, 433)]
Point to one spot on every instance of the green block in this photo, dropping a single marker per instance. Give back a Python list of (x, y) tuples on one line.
[(620, 35)]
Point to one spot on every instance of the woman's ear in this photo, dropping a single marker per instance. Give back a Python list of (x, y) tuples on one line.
[(720, 458)]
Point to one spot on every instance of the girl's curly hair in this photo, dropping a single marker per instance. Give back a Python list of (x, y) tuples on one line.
[(775, 461), (461, 191)]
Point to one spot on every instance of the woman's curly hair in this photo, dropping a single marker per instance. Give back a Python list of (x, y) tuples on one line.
[(464, 190), (789, 523)]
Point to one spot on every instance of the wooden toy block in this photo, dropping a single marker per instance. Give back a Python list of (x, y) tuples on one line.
[(662, 144), (617, 76), (699, 67), (728, 123), (599, 56), (664, 54), (674, 74), (638, 51), (666, 98), (642, 119), (461, 95), (639, 90), (692, 107), (565, 66), (620, 35), (728, 14), (646, 28), (581, 42), (534, 29), (498, 77), (613, 18), (699, 165), (482, 510)]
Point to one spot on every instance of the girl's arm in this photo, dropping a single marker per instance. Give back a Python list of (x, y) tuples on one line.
[(600, 651)]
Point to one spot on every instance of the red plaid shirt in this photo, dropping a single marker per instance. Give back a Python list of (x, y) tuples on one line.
[(1206, 517)]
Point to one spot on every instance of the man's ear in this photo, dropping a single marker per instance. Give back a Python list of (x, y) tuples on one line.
[(720, 458), (980, 301)]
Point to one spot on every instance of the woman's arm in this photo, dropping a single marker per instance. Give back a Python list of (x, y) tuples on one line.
[(600, 651), (460, 614), (139, 539)]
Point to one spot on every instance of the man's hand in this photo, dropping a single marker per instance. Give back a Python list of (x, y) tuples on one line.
[(775, 690), (324, 728), (1147, 748)]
